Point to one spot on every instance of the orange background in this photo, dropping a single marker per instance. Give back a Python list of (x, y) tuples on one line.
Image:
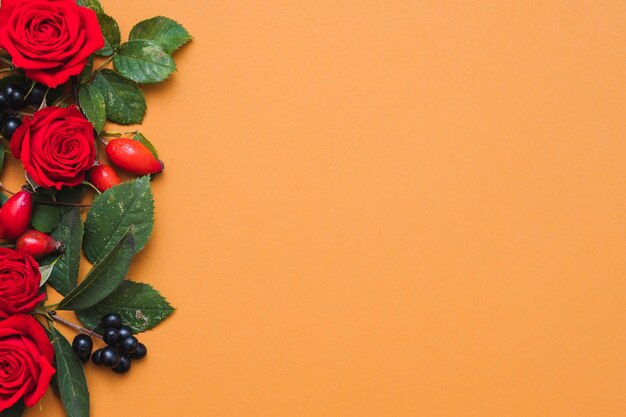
[(385, 208)]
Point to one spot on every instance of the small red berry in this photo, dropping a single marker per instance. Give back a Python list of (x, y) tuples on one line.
[(38, 244), (103, 176), (15, 214), (133, 156)]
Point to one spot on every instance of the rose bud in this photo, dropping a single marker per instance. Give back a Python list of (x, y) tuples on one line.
[(16, 213), (133, 156), (38, 244), (103, 177)]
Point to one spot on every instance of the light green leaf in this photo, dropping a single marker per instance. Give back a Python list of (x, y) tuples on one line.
[(64, 275), (91, 4), (46, 271), (125, 103), (167, 33), (70, 376), (140, 305), (143, 62), (92, 104), (106, 275), (114, 211), (110, 32)]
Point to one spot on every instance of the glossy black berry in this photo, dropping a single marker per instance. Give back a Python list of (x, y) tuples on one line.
[(112, 320), (36, 95), (110, 357), (123, 366), (140, 352), (10, 124), (96, 358), (111, 336), (82, 345), (8, 89), (125, 331), (4, 100), (128, 344), (16, 98)]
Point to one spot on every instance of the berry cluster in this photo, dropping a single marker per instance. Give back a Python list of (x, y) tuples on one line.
[(122, 346), (14, 98)]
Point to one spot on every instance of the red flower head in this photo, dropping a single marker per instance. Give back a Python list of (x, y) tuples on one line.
[(49, 39), (19, 283), (26, 357)]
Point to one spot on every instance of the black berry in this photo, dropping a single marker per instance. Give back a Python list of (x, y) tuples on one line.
[(110, 357), (128, 344), (123, 366), (111, 336), (9, 89), (140, 352), (112, 320), (4, 100), (96, 358), (36, 95), (82, 345), (125, 331), (16, 98), (11, 123)]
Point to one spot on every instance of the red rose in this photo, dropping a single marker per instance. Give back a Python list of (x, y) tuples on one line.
[(26, 357), (56, 146), (50, 39), (19, 283)]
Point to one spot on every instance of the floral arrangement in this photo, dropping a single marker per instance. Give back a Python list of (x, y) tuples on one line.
[(68, 72)]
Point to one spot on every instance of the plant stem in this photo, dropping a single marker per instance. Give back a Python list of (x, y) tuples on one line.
[(61, 203), (74, 326)]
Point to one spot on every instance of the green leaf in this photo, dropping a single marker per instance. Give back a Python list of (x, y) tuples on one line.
[(16, 411), (144, 62), (70, 376), (106, 275), (2, 153), (110, 32), (92, 104), (114, 211), (64, 275), (91, 4), (46, 271), (85, 75), (167, 33), (46, 218), (125, 103), (141, 138), (140, 305)]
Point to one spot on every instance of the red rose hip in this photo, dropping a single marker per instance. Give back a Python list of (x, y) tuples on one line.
[(38, 244), (133, 156), (15, 214), (103, 177)]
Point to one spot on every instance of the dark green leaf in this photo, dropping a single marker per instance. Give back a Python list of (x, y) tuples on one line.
[(140, 305), (125, 103), (2, 153), (91, 4), (46, 218), (70, 376), (144, 62), (167, 33), (92, 104), (111, 34), (71, 194), (16, 411), (64, 275), (141, 138), (85, 75), (114, 211), (106, 275)]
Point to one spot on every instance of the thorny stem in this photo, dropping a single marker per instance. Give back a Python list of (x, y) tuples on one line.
[(53, 315)]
